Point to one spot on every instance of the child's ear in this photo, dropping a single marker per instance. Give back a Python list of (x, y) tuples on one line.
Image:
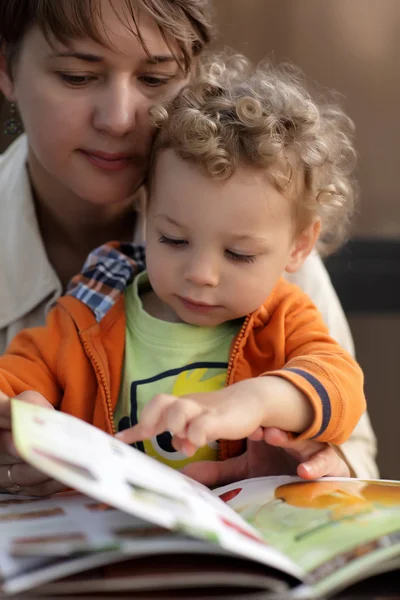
[(302, 246), (6, 83)]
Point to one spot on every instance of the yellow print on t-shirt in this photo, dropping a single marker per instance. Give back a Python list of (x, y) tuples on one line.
[(189, 379)]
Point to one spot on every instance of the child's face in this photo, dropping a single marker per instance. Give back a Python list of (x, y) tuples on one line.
[(215, 249)]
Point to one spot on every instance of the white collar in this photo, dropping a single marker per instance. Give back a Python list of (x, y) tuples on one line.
[(26, 275)]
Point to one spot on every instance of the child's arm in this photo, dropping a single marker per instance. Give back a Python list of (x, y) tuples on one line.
[(317, 366), (30, 371), (232, 413), (318, 392), (31, 361)]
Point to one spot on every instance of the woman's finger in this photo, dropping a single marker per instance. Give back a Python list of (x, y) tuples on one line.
[(5, 411), (44, 489), (20, 474), (8, 452)]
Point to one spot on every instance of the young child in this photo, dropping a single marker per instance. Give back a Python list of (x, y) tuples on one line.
[(209, 342)]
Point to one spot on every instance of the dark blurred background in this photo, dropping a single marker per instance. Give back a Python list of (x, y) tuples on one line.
[(352, 46)]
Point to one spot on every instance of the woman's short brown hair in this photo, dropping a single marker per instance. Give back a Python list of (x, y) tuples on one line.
[(187, 21)]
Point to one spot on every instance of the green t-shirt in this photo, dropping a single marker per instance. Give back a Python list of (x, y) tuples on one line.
[(172, 358)]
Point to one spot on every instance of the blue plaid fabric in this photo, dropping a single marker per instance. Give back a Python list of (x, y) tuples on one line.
[(107, 272)]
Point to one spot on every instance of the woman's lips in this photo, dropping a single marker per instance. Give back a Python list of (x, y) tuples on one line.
[(108, 161)]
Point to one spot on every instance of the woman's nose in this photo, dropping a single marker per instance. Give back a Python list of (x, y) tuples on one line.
[(117, 110)]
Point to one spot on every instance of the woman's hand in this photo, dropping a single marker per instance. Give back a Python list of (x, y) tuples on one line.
[(272, 452), (16, 476)]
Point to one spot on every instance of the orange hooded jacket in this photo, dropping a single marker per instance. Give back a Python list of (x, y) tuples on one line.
[(75, 361)]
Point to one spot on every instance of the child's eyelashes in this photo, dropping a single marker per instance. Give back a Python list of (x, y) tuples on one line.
[(234, 256), (163, 239), (246, 258)]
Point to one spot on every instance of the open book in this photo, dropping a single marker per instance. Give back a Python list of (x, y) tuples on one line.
[(138, 526)]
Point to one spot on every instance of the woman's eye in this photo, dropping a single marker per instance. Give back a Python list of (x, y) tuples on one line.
[(171, 241), (76, 80), (246, 258), (153, 81)]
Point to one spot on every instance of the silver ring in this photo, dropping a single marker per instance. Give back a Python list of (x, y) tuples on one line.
[(14, 487)]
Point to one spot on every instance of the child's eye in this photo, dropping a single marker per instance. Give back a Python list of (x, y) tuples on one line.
[(171, 241), (246, 258)]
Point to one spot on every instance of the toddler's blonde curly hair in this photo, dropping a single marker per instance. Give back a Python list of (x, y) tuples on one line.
[(232, 115)]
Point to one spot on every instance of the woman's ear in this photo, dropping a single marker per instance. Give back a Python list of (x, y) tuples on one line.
[(6, 82), (302, 246)]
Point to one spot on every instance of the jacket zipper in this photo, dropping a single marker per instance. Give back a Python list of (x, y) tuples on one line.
[(99, 370), (105, 387), (230, 363)]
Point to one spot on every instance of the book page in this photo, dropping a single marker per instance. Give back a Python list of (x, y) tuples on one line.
[(152, 549), (335, 529), (176, 575), (67, 524), (100, 466), (38, 534)]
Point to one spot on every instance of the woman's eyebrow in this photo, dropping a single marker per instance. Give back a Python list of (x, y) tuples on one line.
[(87, 57), (162, 58), (79, 55)]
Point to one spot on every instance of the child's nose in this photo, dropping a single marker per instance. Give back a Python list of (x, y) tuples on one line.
[(202, 273)]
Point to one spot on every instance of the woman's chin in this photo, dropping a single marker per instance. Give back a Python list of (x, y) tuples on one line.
[(107, 197)]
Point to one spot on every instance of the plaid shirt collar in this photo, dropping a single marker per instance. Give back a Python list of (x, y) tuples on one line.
[(106, 274)]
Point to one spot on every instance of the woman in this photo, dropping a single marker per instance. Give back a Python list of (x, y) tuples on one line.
[(83, 76)]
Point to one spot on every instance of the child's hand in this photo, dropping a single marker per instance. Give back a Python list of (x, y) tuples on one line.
[(195, 420), (232, 413), (275, 453), (313, 459)]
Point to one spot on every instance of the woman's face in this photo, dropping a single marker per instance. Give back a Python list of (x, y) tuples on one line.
[(85, 106)]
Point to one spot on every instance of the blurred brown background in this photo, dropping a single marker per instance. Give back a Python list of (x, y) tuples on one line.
[(352, 46)]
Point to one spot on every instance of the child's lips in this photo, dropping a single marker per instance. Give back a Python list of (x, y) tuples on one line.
[(195, 306)]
